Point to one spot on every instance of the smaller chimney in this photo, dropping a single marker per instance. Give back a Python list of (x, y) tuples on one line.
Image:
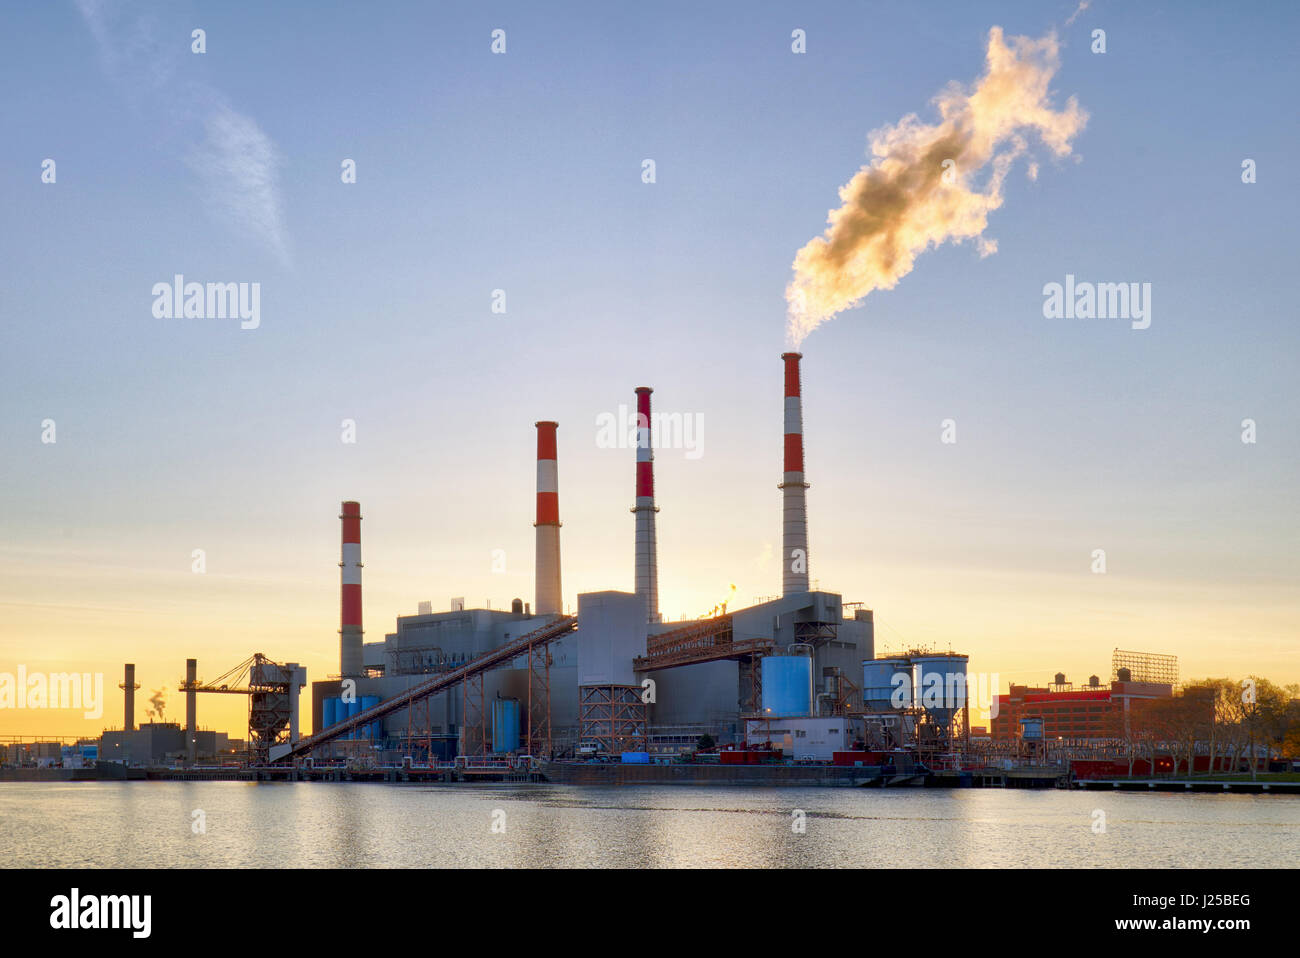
[(129, 685), (350, 634), (191, 709), (647, 548), (547, 566)]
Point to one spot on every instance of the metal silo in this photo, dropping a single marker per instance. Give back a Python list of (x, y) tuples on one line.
[(941, 685), (371, 730), (787, 685), (330, 708), (1031, 729), (887, 684), (349, 710), (505, 725)]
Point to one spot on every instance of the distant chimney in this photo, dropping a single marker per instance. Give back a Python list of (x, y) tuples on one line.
[(647, 561), (794, 521), (547, 567), (129, 685), (191, 709), (350, 634)]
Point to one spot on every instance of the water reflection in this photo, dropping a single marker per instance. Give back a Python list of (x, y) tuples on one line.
[(149, 824)]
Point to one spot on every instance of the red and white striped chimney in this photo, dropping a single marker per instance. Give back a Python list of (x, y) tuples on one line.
[(547, 567), (350, 620), (647, 561), (794, 522)]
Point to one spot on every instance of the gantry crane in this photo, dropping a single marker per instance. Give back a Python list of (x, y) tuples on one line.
[(272, 691)]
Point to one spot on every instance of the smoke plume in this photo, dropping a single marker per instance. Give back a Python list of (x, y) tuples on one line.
[(930, 183)]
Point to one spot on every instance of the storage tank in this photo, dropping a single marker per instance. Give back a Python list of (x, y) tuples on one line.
[(787, 685), (882, 679), (1031, 729), (505, 725), (941, 685), (349, 710), (372, 730), (330, 707)]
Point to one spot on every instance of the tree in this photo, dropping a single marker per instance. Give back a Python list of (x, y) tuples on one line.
[(1198, 717), (705, 743)]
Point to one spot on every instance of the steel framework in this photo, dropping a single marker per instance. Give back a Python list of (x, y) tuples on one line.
[(539, 701), (702, 633), (613, 717), (473, 712), (524, 645), (1145, 666), (815, 633), (268, 686)]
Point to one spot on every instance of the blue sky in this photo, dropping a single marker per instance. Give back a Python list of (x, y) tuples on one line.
[(523, 172)]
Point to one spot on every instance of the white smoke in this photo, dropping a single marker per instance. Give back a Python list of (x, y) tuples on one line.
[(922, 187)]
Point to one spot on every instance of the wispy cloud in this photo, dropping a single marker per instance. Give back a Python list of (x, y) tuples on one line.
[(1083, 5), (236, 162), (239, 166)]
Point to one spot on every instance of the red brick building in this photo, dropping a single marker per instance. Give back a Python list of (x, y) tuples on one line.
[(1092, 711)]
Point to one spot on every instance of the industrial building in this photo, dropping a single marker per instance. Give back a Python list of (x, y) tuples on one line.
[(794, 672), (1091, 712), (613, 678)]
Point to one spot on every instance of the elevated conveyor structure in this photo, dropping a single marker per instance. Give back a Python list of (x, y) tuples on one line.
[(533, 645)]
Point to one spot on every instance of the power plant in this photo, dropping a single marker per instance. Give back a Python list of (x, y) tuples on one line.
[(793, 676), (616, 680)]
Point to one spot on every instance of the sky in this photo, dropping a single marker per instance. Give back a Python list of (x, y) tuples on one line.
[(523, 172)]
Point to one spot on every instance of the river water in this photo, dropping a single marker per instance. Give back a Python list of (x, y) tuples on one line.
[(152, 824)]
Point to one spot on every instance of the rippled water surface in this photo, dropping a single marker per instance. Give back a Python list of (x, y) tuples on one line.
[(149, 824)]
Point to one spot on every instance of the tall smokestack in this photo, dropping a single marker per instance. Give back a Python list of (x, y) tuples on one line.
[(129, 686), (647, 550), (191, 709), (547, 567), (350, 620), (794, 524)]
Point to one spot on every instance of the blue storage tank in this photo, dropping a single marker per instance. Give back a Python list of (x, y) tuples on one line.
[(787, 685), (372, 730), (505, 725), (349, 710), (331, 710), (636, 758)]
